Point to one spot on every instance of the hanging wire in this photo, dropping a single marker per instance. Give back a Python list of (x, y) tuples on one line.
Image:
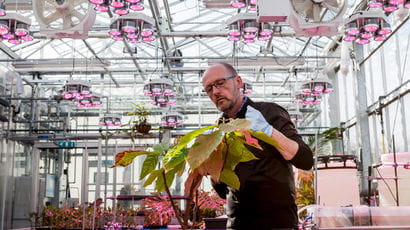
[(401, 82)]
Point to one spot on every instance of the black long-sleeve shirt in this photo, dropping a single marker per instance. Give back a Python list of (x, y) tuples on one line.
[(266, 198)]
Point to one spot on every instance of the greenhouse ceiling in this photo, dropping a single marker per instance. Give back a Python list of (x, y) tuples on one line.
[(72, 43)]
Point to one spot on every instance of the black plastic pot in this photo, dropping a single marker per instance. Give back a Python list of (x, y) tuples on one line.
[(215, 223)]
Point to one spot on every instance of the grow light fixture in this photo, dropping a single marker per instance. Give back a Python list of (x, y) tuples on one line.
[(161, 91), (388, 5), (245, 27), (14, 28), (307, 100), (248, 4), (366, 25), (119, 7), (89, 101), (172, 120), (76, 90), (110, 120), (132, 28), (317, 88)]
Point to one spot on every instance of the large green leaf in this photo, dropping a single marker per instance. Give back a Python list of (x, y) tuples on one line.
[(234, 125), (160, 183), (265, 138), (176, 159), (152, 176), (126, 157), (150, 163), (230, 178), (185, 140), (247, 155), (237, 152), (203, 147), (234, 151), (180, 168)]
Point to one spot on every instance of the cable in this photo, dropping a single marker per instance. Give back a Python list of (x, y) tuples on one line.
[(401, 82)]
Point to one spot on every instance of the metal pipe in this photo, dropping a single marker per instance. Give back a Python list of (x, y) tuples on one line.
[(33, 60), (102, 62)]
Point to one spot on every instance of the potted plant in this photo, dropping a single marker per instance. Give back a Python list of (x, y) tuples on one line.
[(83, 217), (211, 209), (139, 122), (213, 154), (158, 211)]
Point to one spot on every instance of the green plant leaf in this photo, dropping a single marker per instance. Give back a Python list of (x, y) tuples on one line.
[(247, 155), (234, 151), (234, 125), (170, 176), (160, 184), (176, 158), (152, 176), (150, 162), (126, 157), (203, 147), (265, 138), (185, 140), (230, 178), (179, 169)]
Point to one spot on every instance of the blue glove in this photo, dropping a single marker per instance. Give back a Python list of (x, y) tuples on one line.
[(259, 123)]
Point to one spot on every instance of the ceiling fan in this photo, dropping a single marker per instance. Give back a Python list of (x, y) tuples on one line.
[(64, 18), (316, 17)]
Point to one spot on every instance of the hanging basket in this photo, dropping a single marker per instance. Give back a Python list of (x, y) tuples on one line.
[(143, 128)]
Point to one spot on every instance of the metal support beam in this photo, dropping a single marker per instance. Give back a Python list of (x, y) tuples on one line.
[(140, 72), (35, 173), (362, 127), (102, 62), (157, 16), (8, 51)]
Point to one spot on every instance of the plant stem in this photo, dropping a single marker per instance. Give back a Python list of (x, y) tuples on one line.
[(177, 211), (195, 209), (189, 202)]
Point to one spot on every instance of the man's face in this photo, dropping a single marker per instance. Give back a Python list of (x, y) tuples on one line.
[(222, 89)]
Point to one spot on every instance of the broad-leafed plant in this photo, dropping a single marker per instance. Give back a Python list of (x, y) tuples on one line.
[(215, 152)]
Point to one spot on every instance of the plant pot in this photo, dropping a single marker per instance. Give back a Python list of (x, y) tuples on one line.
[(215, 223), (143, 128)]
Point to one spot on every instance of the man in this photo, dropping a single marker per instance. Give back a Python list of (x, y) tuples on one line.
[(266, 198)]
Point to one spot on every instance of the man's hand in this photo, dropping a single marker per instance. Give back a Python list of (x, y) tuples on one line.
[(259, 123)]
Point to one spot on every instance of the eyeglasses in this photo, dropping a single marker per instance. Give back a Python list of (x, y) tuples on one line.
[(218, 84)]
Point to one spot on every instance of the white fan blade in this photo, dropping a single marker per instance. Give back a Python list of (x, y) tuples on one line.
[(302, 6), (316, 10), (52, 17), (333, 5)]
